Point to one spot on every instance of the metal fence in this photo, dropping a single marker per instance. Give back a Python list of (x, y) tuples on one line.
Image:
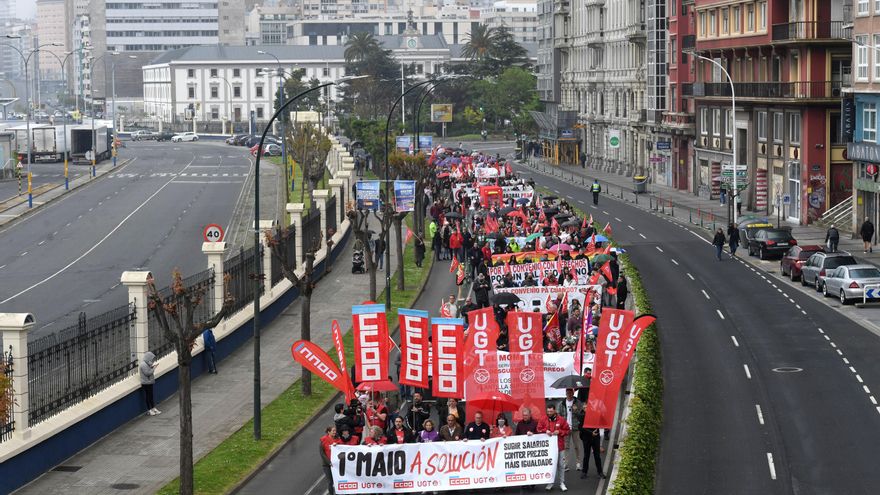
[(312, 230), (277, 272), (331, 213), (7, 425), (291, 246), (240, 268), (76, 363), (157, 341)]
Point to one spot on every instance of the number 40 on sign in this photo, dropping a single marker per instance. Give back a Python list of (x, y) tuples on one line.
[(213, 233)]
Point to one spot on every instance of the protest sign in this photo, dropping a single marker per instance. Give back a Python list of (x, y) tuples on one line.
[(414, 327), (367, 194), (370, 342), (535, 298), (539, 269)]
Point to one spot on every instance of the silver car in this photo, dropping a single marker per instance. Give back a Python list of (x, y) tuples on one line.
[(814, 270), (848, 282)]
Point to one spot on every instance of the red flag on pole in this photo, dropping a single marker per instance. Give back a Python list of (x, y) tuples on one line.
[(340, 355), (459, 278), (409, 236), (446, 343), (554, 226), (526, 361), (606, 272), (592, 245), (608, 370), (607, 229), (414, 328), (313, 358), (454, 265), (481, 356), (370, 342)]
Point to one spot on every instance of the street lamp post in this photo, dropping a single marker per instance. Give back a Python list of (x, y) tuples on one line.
[(93, 61), (421, 99), (280, 74), (228, 102), (113, 104), (733, 114), (66, 151)]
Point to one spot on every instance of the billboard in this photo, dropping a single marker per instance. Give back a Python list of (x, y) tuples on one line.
[(441, 112)]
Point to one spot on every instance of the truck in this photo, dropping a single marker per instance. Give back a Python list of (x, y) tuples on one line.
[(43, 142), (81, 139)]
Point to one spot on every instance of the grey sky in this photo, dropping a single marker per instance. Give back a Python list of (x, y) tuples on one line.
[(26, 9)]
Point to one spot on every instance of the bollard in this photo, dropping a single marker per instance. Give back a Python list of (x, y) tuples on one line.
[(691, 216), (663, 206), (672, 208), (637, 196), (700, 214)]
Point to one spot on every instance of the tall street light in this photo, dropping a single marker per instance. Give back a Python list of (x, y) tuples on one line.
[(280, 73), (66, 114), (258, 263), (93, 61), (733, 115), (113, 104), (228, 101)]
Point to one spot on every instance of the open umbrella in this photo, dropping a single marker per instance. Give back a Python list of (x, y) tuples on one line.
[(549, 198), (571, 381), (495, 235), (493, 401), (377, 386), (551, 211), (561, 217), (571, 223), (601, 238), (600, 258), (560, 247), (534, 236), (505, 298), (523, 201), (454, 215), (506, 210)]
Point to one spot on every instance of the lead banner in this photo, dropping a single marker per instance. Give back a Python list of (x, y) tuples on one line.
[(539, 269), (443, 466), (535, 298)]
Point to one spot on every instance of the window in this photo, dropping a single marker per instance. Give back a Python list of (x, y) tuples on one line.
[(876, 58), (869, 122), (750, 18), (863, 7), (259, 91), (190, 73), (213, 72), (762, 16), (762, 126), (716, 121), (862, 57), (728, 127), (702, 24), (259, 112), (704, 121), (191, 92), (215, 113), (236, 91), (671, 7), (236, 72), (725, 20), (794, 128), (672, 50), (214, 92), (778, 124), (325, 72), (712, 23), (876, 7), (737, 20)]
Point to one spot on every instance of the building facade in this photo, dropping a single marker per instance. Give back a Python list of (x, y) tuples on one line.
[(51, 28), (519, 16), (677, 126), (788, 61)]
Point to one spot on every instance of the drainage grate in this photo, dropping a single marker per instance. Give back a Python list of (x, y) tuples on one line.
[(67, 469), (125, 486)]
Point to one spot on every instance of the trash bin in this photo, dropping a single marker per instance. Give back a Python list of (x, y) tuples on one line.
[(640, 183)]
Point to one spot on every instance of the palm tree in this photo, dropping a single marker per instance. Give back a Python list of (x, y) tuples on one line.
[(479, 45), (360, 46)]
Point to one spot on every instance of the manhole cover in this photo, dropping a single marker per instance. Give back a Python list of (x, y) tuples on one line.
[(125, 486), (67, 469), (788, 369)]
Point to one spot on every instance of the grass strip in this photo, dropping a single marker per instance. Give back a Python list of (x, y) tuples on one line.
[(239, 455)]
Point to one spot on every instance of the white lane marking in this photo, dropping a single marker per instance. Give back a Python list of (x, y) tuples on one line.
[(772, 466), (2, 267), (866, 389), (691, 276), (798, 306), (90, 250), (581, 202), (659, 248), (878, 409), (643, 236), (853, 369), (594, 207), (719, 313), (760, 414), (833, 345), (55, 233), (673, 260), (68, 224), (873, 400), (605, 212), (24, 253), (619, 220), (735, 343), (845, 360), (839, 352), (631, 227), (41, 243), (315, 485), (859, 378), (748, 373), (827, 338), (705, 294), (821, 331)]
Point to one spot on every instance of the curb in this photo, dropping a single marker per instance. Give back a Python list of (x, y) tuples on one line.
[(272, 455)]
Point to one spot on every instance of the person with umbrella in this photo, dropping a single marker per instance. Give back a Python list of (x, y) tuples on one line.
[(481, 290), (570, 407)]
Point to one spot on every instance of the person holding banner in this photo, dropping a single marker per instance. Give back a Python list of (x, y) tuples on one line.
[(502, 427), (399, 433), (556, 426), (477, 430), (377, 437), (451, 431), (571, 407)]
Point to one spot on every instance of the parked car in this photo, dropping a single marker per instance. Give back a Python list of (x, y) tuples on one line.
[(848, 282), (143, 135), (165, 136), (232, 139), (794, 259), (770, 242), (819, 264), (749, 226), (270, 149), (252, 141), (184, 136), (241, 139)]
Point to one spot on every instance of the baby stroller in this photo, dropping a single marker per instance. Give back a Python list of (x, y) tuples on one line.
[(357, 259)]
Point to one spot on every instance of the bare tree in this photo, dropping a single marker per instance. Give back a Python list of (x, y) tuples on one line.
[(409, 167), (176, 316), (360, 226), (310, 146)]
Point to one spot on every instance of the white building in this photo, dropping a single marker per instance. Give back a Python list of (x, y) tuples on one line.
[(520, 16), (51, 28)]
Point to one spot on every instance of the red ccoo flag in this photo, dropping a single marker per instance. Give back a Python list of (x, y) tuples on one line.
[(607, 229), (409, 236), (459, 278)]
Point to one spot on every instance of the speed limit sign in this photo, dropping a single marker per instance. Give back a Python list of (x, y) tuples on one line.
[(213, 233)]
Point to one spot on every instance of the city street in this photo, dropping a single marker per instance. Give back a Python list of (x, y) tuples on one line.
[(69, 255)]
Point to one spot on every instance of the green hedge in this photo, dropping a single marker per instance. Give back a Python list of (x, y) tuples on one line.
[(638, 455)]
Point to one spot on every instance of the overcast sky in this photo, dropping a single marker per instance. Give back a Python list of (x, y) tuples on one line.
[(26, 9)]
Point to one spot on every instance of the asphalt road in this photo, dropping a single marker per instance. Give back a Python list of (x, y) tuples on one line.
[(766, 390), (69, 256), (44, 174)]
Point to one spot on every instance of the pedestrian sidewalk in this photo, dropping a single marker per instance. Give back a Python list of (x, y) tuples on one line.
[(22, 209), (142, 456), (710, 214)]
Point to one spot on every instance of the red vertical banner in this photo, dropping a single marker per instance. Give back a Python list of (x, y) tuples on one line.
[(340, 355), (608, 369), (481, 357), (446, 343), (414, 347), (370, 342), (526, 341)]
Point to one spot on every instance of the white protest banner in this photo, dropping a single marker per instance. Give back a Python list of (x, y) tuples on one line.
[(441, 466), (556, 365), (535, 298), (513, 192), (538, 270)]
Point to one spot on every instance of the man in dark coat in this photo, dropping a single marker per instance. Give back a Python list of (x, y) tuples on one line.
[(481, 290), (622, 292), (867, 233)]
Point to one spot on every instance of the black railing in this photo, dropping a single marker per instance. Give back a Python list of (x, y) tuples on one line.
[(688, 42), (341, 203), (70, 366), (311, 235), (158, 341), (240, 269), (7, 425), (687, 89), (790, 89), (331, 213), (291, 246), (276, 269), (808, 30)]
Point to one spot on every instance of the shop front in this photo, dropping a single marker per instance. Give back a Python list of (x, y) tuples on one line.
[(866, 188)]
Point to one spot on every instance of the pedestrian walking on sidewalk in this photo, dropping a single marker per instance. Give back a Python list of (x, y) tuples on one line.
[(832, 238), (867, 233), (595, 189), (592, 442), (210, 346), (733, 239), (420, 251), (147, 370), (380, 252), (723, 196), (583, 159), (622, 292), (739, 204), (718, 241)]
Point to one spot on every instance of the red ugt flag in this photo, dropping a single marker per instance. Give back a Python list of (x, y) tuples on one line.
[(527, 361), (448, 366), (608, 370), (481, 353), (370, 342), (413, 347)]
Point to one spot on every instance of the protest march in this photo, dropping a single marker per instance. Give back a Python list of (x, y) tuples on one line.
[(472, 396)]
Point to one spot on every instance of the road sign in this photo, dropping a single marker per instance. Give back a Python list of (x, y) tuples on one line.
[(727, 166), (663, 145), (872, 293), (213, 233), (614, 138), (786, 199), (729, 173)]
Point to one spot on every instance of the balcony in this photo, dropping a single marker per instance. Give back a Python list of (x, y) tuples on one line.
[(791, 90), (687, 89), (681, 122), (847, 14), (797, 32), (688, 42), (636, 33)]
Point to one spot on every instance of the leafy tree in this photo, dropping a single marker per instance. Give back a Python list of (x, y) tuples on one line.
[(176, 316), (360, 47), (369, 98), (506, 52), (473, 117), (512, 92), (480, 44), (6, 397), (293, 86)]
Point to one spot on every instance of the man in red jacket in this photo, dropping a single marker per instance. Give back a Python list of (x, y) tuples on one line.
[(556, 426)]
